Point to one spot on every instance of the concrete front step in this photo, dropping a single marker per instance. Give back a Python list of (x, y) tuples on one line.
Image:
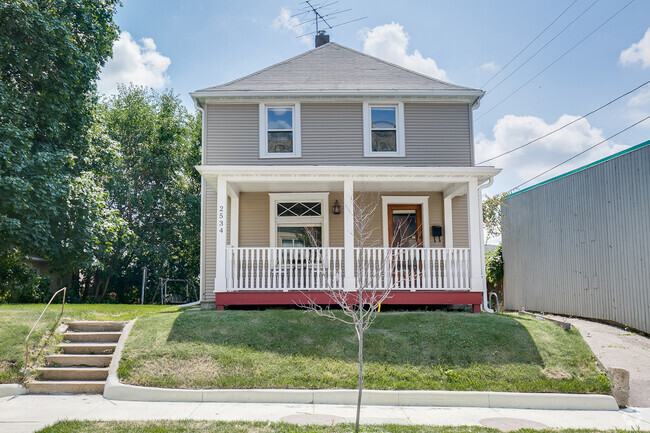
[(73, 373), (92, 337), (78, 360), (95, 326), (66, 387), (87, 348)]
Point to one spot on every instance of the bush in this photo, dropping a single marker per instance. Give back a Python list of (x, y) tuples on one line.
[(19, 282), (494, 266)]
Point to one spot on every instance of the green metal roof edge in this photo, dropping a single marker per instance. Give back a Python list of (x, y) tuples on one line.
[(584, 167)]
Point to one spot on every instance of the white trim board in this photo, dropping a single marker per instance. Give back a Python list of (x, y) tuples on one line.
[(409, 199)]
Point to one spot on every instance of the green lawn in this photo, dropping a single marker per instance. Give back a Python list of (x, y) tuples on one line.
[(17, 320), (263, 427), (403, 350)]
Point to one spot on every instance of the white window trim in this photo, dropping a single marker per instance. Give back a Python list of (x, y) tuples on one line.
[(407, 199), (275, 221), (263, 120), (367, 135)]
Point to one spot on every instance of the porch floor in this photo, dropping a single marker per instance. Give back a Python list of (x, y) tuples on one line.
[(292, 298)]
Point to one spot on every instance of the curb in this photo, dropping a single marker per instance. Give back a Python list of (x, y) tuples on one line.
[(11, 389), (114, 390)]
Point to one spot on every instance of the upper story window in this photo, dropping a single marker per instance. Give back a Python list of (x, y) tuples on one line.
[(280, 131), (383, 130)]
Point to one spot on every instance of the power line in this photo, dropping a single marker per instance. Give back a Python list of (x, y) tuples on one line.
[(529, 44), (544, 46), (564, 126), (556, 60), (581, 153)]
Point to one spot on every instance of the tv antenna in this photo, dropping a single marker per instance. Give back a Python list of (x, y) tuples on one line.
[(324, 18)]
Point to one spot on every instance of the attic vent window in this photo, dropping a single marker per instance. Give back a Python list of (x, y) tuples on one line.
[(383, 132), (279, 131)]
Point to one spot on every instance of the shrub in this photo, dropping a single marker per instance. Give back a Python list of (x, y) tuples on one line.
[(19, 282)]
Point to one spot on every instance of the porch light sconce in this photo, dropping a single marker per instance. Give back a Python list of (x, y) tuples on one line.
[(336, 209)]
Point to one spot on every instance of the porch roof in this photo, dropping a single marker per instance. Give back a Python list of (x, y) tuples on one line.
[(330, 178)]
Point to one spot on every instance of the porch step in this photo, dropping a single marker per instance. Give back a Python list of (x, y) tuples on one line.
[(82, 368), (95, 326), (79, 360), (87, 348), (66, 387), (73, 373), (87, 337)]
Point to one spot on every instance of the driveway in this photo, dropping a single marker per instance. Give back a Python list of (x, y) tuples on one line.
[(620, 348)]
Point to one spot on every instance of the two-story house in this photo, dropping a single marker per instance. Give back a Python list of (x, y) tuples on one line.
[(292, 154)]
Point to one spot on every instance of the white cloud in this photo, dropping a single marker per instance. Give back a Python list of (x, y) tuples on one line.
[(641, 99), (390, 42), (489, 67), (511, 131), (133, 62), (286, 23), (638, 52)]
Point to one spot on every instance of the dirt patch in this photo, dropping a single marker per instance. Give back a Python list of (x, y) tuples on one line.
[(556, 373)]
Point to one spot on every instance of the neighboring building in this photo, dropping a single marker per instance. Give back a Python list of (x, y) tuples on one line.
[(579, 244), (289, 150)]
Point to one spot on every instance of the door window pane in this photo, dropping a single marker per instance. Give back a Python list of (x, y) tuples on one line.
[(405, 229)]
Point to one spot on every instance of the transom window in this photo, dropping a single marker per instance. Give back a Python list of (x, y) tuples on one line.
[(299, 219), (279, 131), (383, 130), (299, 209)]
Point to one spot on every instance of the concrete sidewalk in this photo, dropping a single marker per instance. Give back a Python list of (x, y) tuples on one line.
[(29, 413)]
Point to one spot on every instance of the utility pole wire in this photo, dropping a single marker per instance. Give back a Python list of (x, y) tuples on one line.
[(578, 154), (543, 46), (564, 126), (529, 44), (556, 60)]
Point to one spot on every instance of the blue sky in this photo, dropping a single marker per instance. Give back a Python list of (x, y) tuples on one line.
[(189, 45)]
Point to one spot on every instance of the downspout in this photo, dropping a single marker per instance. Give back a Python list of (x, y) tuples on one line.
[(202, 251), (483, 276)]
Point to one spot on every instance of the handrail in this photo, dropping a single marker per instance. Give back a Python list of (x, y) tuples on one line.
[(39, 319)]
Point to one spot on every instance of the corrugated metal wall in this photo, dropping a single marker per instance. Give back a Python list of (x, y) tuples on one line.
[(580, 245)]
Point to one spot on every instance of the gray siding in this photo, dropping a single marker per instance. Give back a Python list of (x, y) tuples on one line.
[(460, 221), (580, 245), (332, 134), (209, 240)]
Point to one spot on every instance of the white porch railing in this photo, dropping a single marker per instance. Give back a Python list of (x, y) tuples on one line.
[(264, 268), (413, 268)]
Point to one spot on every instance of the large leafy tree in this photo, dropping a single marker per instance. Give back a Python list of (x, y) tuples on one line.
[(51, 52), (146, 161)]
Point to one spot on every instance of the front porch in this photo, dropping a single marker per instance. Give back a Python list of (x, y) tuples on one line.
[(343, 230)]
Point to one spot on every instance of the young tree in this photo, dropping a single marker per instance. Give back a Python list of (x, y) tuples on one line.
[(492, 215), (374, 279)]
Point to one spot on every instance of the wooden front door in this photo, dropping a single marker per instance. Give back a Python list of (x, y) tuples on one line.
[(405, 225)]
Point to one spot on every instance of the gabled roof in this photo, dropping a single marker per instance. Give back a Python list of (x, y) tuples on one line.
[(333, 68)]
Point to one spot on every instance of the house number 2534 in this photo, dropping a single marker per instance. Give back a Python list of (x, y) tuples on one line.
[(220, 219)]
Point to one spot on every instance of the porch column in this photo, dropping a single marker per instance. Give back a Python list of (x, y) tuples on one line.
[(474, 215), (449, 223), (234, 216), (348, 237), (220, 282)]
